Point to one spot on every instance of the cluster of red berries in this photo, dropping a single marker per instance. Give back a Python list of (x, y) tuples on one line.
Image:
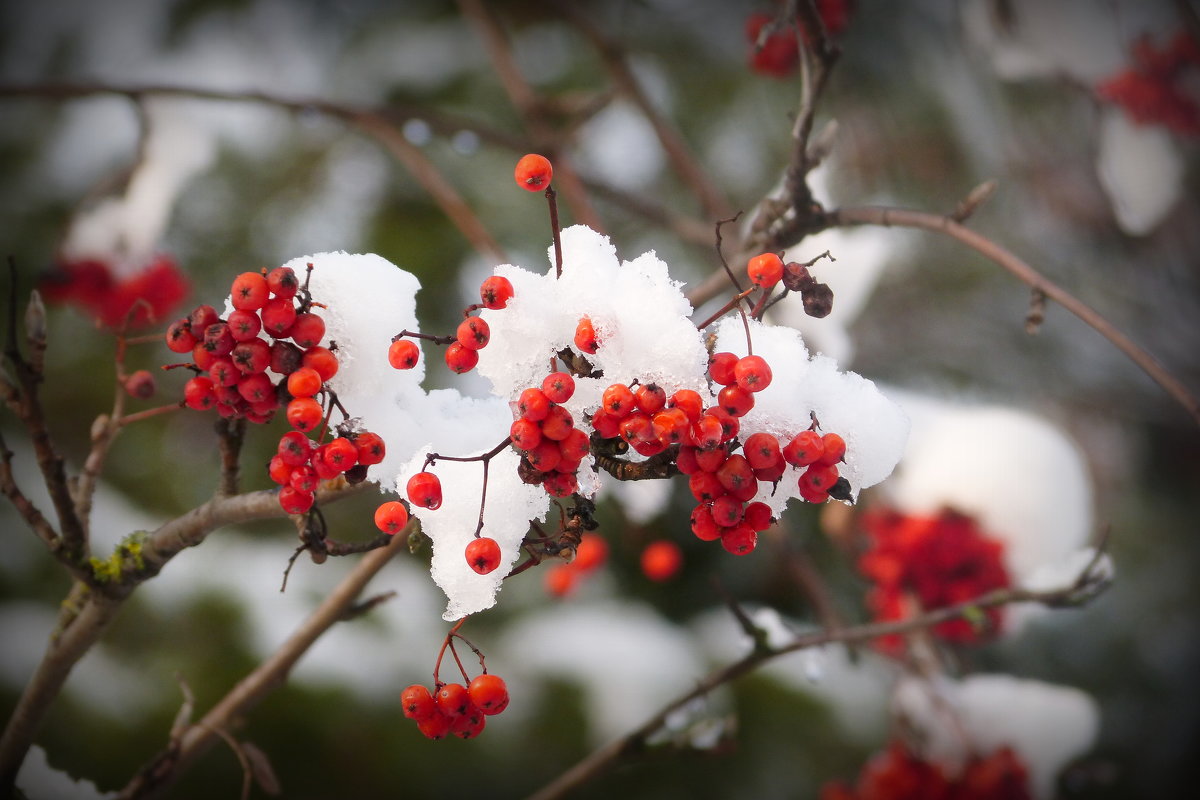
[(472, 335), (143, 298), (544, 433), (779, 53), (897, 774), (454, 709), (235, 366), (767, 270), (937, 561), (1155, 89)]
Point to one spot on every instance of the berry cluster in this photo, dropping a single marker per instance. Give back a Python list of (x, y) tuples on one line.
[(235, 364), (454, 709), (935, 561), (92, 284), (897, 774), (1154, 90), (778, 52), (544, 433), (471, 336)]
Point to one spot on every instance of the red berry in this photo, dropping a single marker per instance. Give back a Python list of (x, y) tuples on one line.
[(304, 382), (703, 524), (575, 445), (739, 540), (607, 426), (460, 359), (277, 316), (560, 580), (762, 450), (391, 517), (251, 356), (249, 291), (711, 460), (417, 703), (304, 414), (244, 325), (720, 368), (558, 424), (618, 400), (483, 554), (806, 448), (326, 470), (525, 434), (303, 479), (404, 354), (545, 456), (533, 172), (561, 484), (469, 725), (202, 357), (371, 449), (295, 448), (223, 372), (199, 393), (650, 398), (453, 700), (341, 454), (218, 339), (757, 516), (685, 460), (201, 317), (819, 478), (590, 553), (307, 330), (735, 401), (322, 360), (294, 501), (495, 292), (708, 432), (727, 510), (736, 474), (489, 693), (689, 402), (585, 336), (179, 336), (705, 487), (765, 270), (835, 449), (257, 388), (558, 387), (473, 333), (279, 470), (637, 428), (752, 373), (282, 282), (286, 358), (661, 560), (670, 426), (436, 726), (533, 405), (140, 384), (425, 490)]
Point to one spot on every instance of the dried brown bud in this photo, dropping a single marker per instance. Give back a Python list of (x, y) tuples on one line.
[(528, 474), (141, 385), (356, 474), (818, 300)]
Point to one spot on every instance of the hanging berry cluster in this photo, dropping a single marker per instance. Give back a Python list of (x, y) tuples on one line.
[(458, 709), (267, 353)]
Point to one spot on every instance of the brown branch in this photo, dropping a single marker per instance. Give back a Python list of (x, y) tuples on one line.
[(636, 740), (906, 218), (158, 775)]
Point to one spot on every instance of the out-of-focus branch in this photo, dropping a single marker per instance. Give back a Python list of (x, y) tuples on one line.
[(712, 202), (1082, 590), (938, 223), (91, 609), (529, 105), (158, 775)]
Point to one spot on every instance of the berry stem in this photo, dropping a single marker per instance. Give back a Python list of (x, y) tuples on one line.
[(429, 337), (129, 419), (725, 309), (552, 202), (486, 458), (437, 665)]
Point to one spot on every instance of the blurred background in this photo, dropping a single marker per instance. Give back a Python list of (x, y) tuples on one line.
[(931, 98)]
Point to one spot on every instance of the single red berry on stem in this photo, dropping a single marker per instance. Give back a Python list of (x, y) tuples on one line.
[(765, 270), (806, 448), (404, 354), (391, 517), (533, 172), (307, 330), (249, 291), (495, 292), (294, 501), (558, 387), (425, 490), (371, 448), (473, 333), (304, 414), (304, 382), (180, 338), (417, 703), (199, 393), (752, 373), (278, 314), (483, 554), (835, 449), (720, 367), (140, 384), (533, 404), (460, 359), (282, 282), (489, 693)]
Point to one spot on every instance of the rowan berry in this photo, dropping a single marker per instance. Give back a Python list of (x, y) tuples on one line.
[(817, 300), (286, 358), (735, 474), (735, 401), (257, 388), (295, 448), (435, 726), (460, 359), (765, 270), (180, 338), (483, 554), (650, 398), (661, 560), (371, 448), (804, 449), (711, 460), (819, 477), (303, 479), (325, 469), (279, 470), (453, 700), (762, 450), (307, 330), (294, 501), (705, 487), (558, 423), (341, 453), (707, 432), (689, 402), (282, 282), (469, 725), (773, 472), (404, 354), (685, 460), (251, 356), (811, 495), (740, 539), (199, 394), (533, 405), (835, 449), (417, 702), (533, 172), (561, 484), (489, 693), (607, 426), (201, 357), (575, 445), (201, 317), (525, 434), (558, 387), (495, 292), (752, 373), (304, 382), (590, 553), (249, 291), (278, 314), (637, 428), (703, 524), (243, 325), (585, 336), (473, 333), (140, 384), (618, 400), (218, 339), (727, 510), (544, 457), (730, 426), (223, 372), (720, 368), (425, 490), (304, 414), (560, 580), (322, 360), (670, 426), (757, 516)]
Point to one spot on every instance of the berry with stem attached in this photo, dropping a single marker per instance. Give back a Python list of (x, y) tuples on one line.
[(483, 554), (533, 172), (425, 490)]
